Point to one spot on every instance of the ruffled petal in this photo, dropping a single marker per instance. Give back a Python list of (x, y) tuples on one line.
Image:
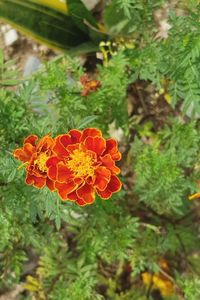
[(29, 149), (65, 140), (112, 149), (29, 179), (52, 167), (96, 144), (86, 193), (72, 147), (52, 172), (45, 143), (31, 139), (106, 194), (91, 179), (102, 178), (114, 185), (21, 155), (65, 188), (64, 174), (59, 147), (78, 180), (81, 202), (75, 135), (110, 164), (52, 161), (38, 182), (90, 132), (50, 184), (73, 197)]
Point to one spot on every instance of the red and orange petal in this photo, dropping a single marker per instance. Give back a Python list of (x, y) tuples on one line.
[(96, 144), (108, 162), (112, 149), (38, 182), (31, 139), (21, 155), (45, 143), (75, 135), (59, 148), (102, 178), (84, 79), (24, 154), (52, 167), (73, 197), (64, 189), (50, 184), (90, 132), (86, 193), (89, 85), (63, 173), (113, 186)]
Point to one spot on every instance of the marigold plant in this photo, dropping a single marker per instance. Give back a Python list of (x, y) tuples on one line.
[(144, 242)]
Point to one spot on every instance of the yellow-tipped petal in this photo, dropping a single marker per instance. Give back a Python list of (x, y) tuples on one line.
[(194, 196)]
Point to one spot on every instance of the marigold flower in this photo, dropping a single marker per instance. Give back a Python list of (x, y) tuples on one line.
[(84, 164), (159, 281), (34, 155), (89, 85), (194, 196)]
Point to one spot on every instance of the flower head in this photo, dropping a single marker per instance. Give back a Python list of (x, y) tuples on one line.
[(83, 164), (160, 281), (34, 155), (89, 85), (77, 165)]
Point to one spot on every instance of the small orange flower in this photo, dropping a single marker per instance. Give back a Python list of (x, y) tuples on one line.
[(89, 85), (34, 155), (84, 164)]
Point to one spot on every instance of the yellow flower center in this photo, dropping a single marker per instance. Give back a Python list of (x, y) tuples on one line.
[(81, 164), (41, 162)]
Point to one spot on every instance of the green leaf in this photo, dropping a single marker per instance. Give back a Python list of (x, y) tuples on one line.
[(86, 121), (79, 13), (58, 222), (43, 23)]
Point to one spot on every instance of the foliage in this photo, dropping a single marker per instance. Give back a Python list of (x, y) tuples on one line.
[(60, 27), (173, 63), (160, 168), (59, 251)]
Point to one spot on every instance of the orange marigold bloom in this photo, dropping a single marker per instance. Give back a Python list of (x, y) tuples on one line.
[(84, 164), (89, 85), (34, 155)]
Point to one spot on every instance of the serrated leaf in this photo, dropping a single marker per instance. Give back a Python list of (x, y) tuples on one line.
[(86, 121), (58, 222), (11, 175)]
